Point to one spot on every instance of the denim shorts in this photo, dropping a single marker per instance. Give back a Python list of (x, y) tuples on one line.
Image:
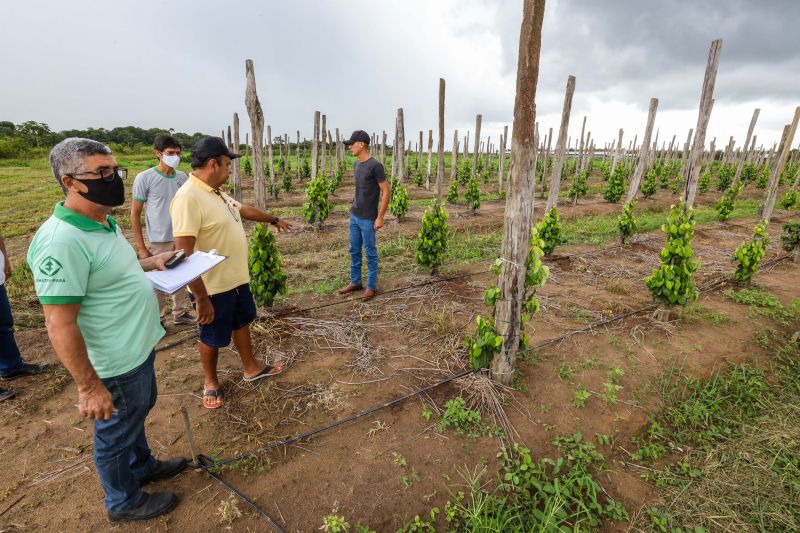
[(233, 309)]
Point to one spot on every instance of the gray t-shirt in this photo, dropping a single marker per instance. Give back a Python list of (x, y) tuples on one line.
[(368, 174), (156, 191)]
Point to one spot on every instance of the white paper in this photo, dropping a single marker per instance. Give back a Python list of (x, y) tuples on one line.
[(187, 271)]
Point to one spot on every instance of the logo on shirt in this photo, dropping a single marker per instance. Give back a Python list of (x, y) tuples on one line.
[(50, 266)]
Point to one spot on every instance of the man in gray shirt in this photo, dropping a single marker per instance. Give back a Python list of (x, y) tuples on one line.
[(366, 216), (154, 189)]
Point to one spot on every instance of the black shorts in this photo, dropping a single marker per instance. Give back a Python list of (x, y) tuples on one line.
[(233, 309)]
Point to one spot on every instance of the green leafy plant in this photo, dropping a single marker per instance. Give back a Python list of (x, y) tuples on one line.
[(725, 175), (650, 183), (616, 184), (248, 167), (791, 200), (462, 420), (419, 177), (398, 204), (464, 171), (790, 239), (304, 171), (264, 261), (749, 254), (549, 231), (672, 283), (578, 187), (763, 177), (484, 344), (432, 238), (728, 201), (580, 397), (749, 172), (452, 193), (626, 222), (473, 196), (287, 181), (338, 176), (705, 181), (316, 208)]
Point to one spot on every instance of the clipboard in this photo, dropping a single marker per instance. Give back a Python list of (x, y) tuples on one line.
[(197, 264)]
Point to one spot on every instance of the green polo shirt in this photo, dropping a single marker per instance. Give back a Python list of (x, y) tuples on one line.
[(76, 260)]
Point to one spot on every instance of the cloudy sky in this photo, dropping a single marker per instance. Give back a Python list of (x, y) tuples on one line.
[(180, 64)]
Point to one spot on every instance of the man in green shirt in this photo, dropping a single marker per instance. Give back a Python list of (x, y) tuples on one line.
[(102, 319)]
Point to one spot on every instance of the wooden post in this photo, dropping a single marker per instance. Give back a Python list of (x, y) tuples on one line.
[(768, 203), (236, 176), (743, 155), (643, 153), (546, 162), (324, 151), (501, 167), (685, 155), (315, 146), (454, 157), (430, 153), (702, 122), (271, 164), (419, 151), (580, 149), (440, 158), (257, 125), (615, 160), (519, 202), (466, 145), (561, 146), (399, 147), (383, 149), (477, 145)]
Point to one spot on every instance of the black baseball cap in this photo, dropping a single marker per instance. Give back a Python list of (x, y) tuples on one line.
[(358, 135), (209, 147)]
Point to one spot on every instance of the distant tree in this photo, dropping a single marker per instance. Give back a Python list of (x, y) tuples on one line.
[(36, 133)]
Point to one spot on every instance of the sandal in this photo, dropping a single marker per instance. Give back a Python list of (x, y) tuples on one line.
[(268, 372), (217, 396)]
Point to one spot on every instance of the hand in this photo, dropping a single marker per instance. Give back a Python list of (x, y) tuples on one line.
[(162, 258), (144, 253), (7, 268), (378, 223), (205, 310), (282, 225), (96, 403)]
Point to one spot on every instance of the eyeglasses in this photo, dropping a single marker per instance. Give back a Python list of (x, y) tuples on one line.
[(231, 209), (107, 174)]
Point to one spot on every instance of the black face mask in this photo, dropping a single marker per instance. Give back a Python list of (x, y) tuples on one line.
[(107, 193)]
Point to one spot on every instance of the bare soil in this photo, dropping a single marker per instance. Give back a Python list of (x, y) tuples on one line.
[(350, 357)]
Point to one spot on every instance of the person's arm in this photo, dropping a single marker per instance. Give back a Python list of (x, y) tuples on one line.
[(205, 310), (136, 225), (6, 260), (385, 195), (256, 215), (94, 400)]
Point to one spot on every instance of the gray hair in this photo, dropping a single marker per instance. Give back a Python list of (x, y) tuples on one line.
[(69, 156)]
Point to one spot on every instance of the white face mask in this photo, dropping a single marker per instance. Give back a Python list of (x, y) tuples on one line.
[(171, 160)]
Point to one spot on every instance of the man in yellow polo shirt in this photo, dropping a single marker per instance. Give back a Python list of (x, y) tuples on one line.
[(205, 218)]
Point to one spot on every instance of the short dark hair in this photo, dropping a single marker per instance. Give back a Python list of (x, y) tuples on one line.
[(165, 141), (200, 163)]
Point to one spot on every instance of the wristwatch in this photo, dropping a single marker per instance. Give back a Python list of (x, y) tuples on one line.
[(275, 222)]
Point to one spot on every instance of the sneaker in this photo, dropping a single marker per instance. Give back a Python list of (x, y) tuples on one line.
[(27, 369), (164, 470), (185, 320), (151, 505)]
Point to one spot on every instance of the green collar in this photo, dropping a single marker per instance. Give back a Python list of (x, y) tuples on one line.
[(174, 173), (81, 222)]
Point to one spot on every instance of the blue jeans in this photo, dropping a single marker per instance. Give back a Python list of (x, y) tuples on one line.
[(121, 454), (362, 234), (9, 352)]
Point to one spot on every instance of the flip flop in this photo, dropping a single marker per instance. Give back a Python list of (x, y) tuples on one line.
[(212, 393), (268, 372)]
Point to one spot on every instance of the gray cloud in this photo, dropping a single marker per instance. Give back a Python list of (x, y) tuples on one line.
[(181, 64)]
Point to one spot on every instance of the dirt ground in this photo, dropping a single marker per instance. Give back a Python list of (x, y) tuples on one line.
[(349, 357)]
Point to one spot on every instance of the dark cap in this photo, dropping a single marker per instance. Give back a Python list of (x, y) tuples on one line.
[(209, 147), (358, 135)]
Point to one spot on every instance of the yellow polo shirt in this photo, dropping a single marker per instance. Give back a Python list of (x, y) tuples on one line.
[(213, 218)]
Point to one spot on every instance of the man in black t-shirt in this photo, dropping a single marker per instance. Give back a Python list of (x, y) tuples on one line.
[(366, 216)]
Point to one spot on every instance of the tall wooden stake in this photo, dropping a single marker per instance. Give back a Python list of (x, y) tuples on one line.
[(561, 146), (440, 158), (768, 203), (743, 155), (643, 154), (399, 147), (477, 146), (519, 202), (236, 176), (706, 103), (257, 125)]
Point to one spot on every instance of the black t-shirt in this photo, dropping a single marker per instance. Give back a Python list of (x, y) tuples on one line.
[(368, 174)]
